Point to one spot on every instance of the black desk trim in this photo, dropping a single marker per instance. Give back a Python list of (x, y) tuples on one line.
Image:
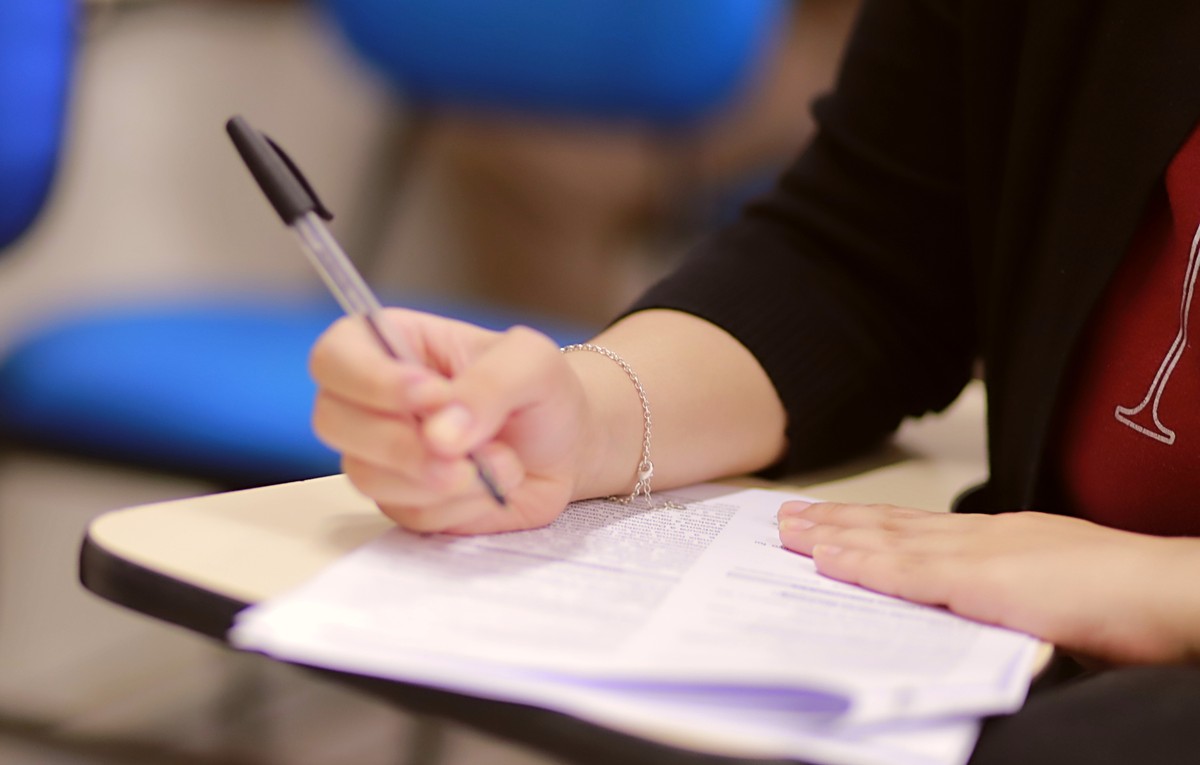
[(154, 594), (198, 610)]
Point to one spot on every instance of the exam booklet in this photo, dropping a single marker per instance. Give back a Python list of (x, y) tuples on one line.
[(687, 623)]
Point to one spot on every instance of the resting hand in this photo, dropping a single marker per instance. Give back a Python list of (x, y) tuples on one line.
[(1109, 594), (406, 430)]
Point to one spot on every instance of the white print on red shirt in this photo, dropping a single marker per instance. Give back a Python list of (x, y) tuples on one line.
[(1136, 417)]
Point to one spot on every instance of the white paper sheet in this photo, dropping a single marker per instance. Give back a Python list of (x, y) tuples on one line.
[(695, 619)]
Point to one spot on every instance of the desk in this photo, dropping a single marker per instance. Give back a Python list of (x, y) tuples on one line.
[(197, 562)]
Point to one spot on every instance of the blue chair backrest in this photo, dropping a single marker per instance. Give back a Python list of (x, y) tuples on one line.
[(36, 44), (658, 61)]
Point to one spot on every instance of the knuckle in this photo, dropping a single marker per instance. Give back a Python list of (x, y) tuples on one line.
[(824, 510), (526, 335), (901, 526), (533, 345)]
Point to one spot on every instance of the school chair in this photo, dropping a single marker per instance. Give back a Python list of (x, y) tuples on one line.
[(217, 388), (665, 65), (213, 387), (36, 45), (659, 62)]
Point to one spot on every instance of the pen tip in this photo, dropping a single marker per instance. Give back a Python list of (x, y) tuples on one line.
[(490, 483), (485, 477), (496, 495)]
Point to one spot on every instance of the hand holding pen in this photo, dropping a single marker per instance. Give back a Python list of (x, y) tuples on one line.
[(301, 210)]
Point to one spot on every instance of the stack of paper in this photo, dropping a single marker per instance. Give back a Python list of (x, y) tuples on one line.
[(691, 626)]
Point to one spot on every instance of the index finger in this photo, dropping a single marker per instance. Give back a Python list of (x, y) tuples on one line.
[(348, 362), (849, 514)]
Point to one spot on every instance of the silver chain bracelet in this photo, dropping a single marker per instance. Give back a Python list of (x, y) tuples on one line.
[(645, 468)]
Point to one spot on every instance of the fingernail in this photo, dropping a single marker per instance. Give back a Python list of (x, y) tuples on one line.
[(795, 524), (448, 427), (826, 551)]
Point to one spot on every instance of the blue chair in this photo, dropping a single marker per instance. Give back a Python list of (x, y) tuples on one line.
[(658, 62), (216, 387), (666, 65), (36, 44)]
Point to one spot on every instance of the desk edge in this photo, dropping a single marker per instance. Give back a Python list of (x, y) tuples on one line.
[(154, 594)]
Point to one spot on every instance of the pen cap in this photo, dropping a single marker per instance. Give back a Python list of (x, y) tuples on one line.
[(285, 186)]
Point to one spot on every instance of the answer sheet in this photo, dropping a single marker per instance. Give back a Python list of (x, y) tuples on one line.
[(694, 618)]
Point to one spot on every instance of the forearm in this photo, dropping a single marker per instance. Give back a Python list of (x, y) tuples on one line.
[(714, 410)]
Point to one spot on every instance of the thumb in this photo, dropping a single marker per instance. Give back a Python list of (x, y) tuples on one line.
[(511, 374)]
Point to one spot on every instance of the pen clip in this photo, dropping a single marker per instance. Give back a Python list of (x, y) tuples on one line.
[(277, 175)]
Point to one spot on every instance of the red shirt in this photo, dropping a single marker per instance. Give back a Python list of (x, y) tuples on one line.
[(1130, 443)]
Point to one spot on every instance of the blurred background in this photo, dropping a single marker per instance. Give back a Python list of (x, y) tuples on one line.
[(499, 160)]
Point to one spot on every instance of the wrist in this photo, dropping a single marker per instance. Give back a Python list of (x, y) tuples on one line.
[(612, 426)]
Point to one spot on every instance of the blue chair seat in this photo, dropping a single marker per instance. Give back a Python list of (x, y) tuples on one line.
[(214, 388)]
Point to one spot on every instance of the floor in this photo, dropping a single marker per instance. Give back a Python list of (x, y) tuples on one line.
[(151, 201)]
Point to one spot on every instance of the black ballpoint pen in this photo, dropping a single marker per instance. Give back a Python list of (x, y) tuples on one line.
[(302, 211)]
